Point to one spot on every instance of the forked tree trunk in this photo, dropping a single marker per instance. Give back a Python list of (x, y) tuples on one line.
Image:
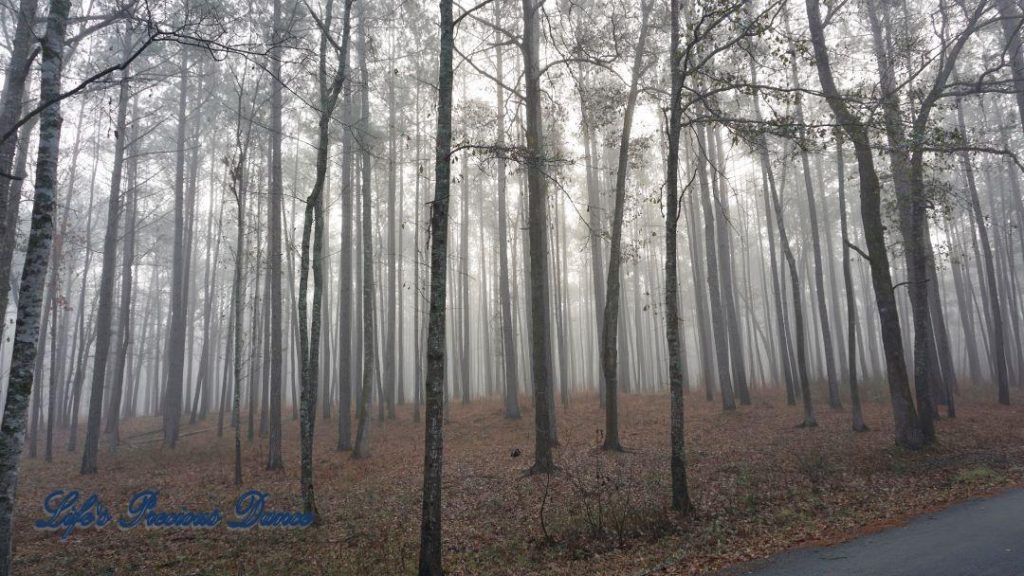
[(908, 430)]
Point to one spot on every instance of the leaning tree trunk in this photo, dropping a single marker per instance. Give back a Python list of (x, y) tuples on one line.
[(997, 340), (610, 322), (781, 319), (908, 429), (819, 271), (33, 276)]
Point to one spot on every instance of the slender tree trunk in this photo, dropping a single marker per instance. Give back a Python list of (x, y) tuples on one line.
[(274, 459), (430, 524), (725, 268), (127, 258), (851, 299), (609, 335), (819, 269), (673, 332), (105, 306), (16, 75), (362, 446), (507, 326), (345, 296), (718, 320), (33, 276), (179, 306), (996, 334)]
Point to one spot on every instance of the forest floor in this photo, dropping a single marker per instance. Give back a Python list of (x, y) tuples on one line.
[(760, 485)]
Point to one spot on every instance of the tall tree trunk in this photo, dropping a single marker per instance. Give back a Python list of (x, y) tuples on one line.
[(781, 318), (908, 429), (819, 268), (912, 215), (728, 292), (105, 306), (19, 66), (274, 459), (610, 332), (345, 297), (369, 372), (851, 299), (179, 306), (673, 332), (540, 327), (392, 287), (127, 258), (30, 292), (504, 273), (718, 320), (996, 334), (430, 524)]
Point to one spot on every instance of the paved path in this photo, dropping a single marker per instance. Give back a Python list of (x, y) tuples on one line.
[(978, 538)]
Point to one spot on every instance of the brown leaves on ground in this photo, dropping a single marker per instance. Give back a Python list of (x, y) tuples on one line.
[(760, 485)]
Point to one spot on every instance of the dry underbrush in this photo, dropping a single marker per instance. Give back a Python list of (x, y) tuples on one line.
[(759, 484)]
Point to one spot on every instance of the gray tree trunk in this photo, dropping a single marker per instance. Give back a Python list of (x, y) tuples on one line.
[(274, 459), (430, 523), (540, 329), (33, 276), (610, 322), (179, 306), (673, 325), (908, 431)]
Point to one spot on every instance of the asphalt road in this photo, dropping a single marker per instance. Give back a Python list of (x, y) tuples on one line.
[(978, 538)]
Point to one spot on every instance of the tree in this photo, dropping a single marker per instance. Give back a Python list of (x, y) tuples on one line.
[(507, 326), (851, 297), (274, 460), (908, 428), (540, 326), (176, 328), (430, 523), (33, 276), (369, 372), (609, 324), (11, 98), (676, 362), (309, 338), (104, 308)]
